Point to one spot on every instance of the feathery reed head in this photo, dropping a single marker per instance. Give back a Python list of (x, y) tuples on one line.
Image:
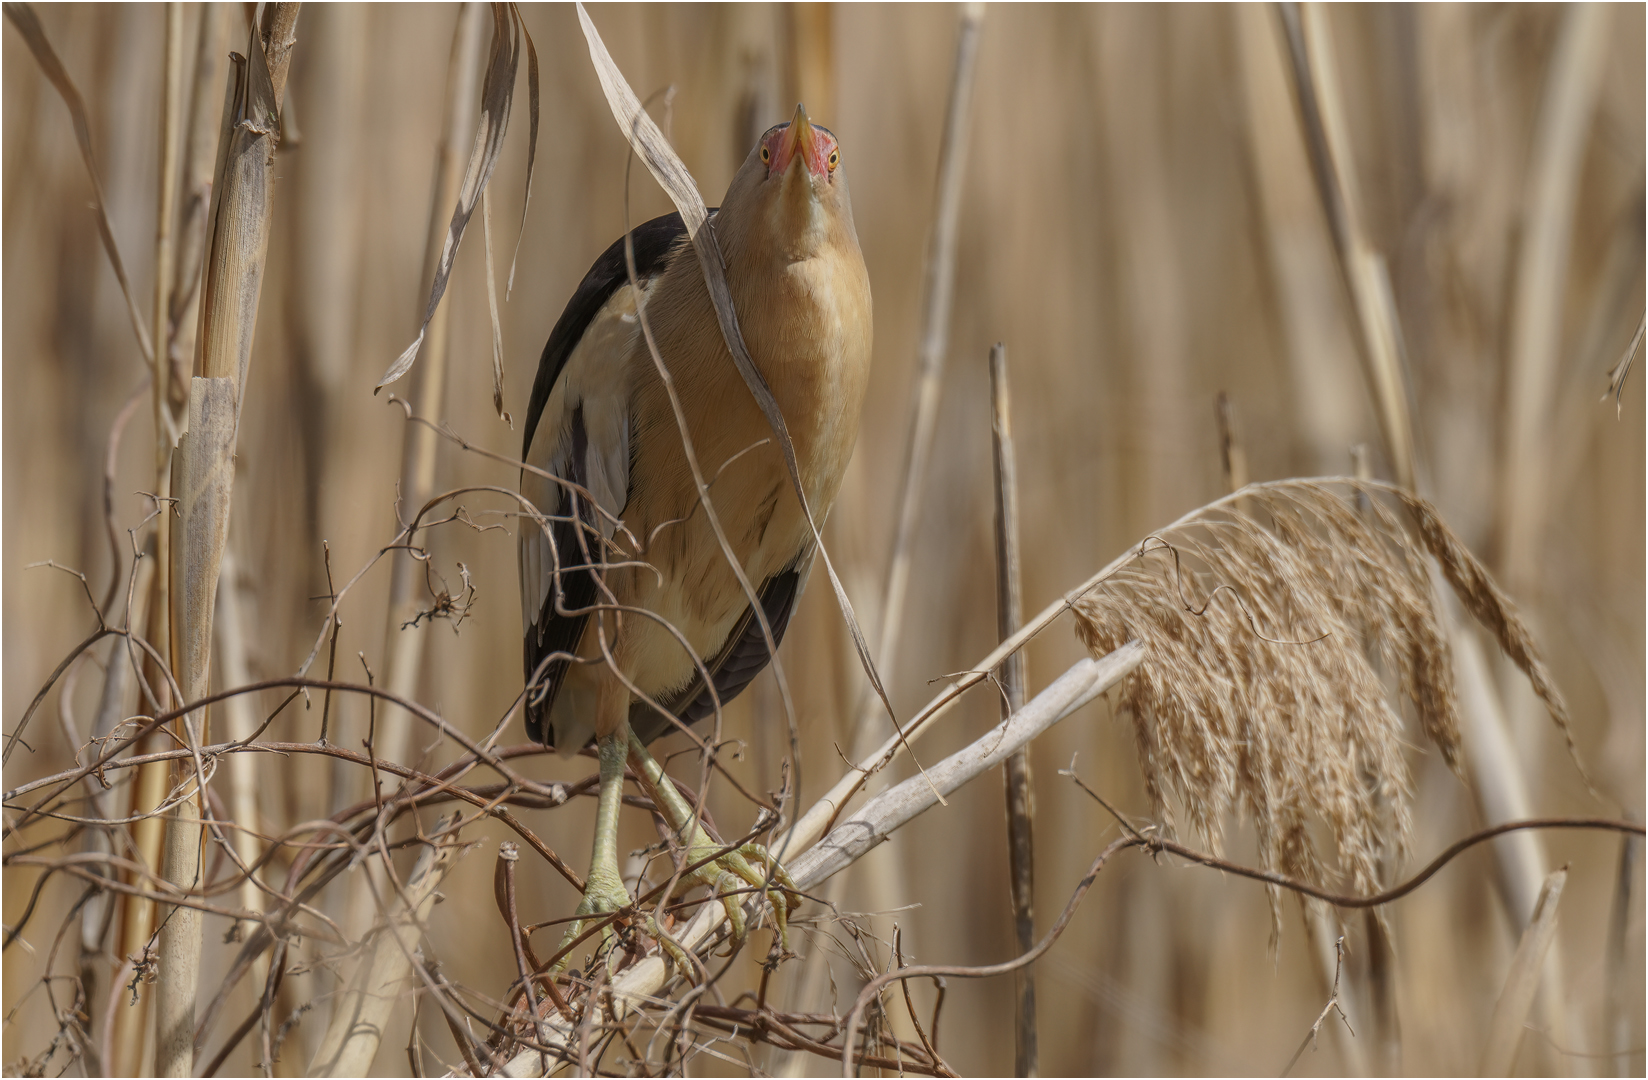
[(1289, 628)]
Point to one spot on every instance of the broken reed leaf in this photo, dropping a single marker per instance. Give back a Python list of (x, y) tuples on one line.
[(22, 16), (497, 96), (1510, 1015), (492, 306), (531, 144), (1617, 376), (1237, 710), (672, 175)]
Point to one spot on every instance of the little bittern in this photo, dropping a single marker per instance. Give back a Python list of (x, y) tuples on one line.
[(632, 611)]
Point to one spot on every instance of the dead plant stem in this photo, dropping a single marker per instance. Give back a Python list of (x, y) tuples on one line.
[(1021, 805)]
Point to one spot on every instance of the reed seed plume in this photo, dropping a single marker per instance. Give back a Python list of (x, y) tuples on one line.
[(1288, 628), (1489, 605)]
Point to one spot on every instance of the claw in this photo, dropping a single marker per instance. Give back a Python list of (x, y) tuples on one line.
[(729, 873)]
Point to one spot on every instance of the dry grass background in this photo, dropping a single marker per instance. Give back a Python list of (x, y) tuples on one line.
[(1139, 226)]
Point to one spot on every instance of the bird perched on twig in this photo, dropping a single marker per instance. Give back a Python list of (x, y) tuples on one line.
[(634, 619)]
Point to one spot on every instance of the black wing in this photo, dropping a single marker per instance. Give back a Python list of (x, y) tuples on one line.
[(559, 624), (741, 659)]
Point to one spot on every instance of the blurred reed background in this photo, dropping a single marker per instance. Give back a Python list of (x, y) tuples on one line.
[(1139, 226)]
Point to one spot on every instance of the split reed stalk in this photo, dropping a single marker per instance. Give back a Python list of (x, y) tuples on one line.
[(195, 198), (203, 478), (1021, 801)]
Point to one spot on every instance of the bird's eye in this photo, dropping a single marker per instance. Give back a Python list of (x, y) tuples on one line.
[(765, 154), (835, 159)]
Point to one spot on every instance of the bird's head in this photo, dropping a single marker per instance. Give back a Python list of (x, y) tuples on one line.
[(792, 187), (800, 144)]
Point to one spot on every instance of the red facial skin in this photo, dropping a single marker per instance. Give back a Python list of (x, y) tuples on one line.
[(816, 146)]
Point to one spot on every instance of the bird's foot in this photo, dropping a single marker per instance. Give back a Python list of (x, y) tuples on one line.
[(729, 876), (604, 894)]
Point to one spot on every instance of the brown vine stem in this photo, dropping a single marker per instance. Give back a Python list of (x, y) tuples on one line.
[(1154, 845)]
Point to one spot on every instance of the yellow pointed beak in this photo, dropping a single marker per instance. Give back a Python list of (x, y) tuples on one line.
[(799, 141)]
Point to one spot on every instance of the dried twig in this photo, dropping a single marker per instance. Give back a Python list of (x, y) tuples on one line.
[(1331, 1006)]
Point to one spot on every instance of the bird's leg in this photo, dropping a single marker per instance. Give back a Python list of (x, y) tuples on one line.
[(604, 890), (730, 871)]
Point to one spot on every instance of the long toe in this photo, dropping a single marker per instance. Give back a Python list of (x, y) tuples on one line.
[(729, 874)]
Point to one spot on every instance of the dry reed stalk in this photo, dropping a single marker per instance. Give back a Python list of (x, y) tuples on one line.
[(1501, 790), (199, 161), (1624, 995), (809, 53), (1327, 137), (1021, 804), (1498, 780), (1536, 352), (867, 828), (171, 123), (130, 1026), (1323, 371), (404, 648), (240, 723), (463, 124), (168, 390), (323, 310), (362, 1010), (938, 290), (883, 882), (203, 477), (22, 16), (1511, 1011)]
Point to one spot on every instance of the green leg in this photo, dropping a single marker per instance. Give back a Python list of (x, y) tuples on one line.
[(604, 890), (727, 873)]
